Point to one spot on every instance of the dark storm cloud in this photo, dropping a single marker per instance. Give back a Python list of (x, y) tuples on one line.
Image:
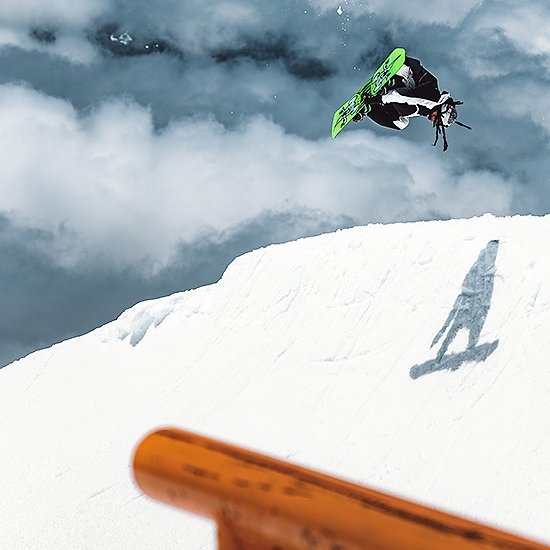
[(276, 48), (145, 144)]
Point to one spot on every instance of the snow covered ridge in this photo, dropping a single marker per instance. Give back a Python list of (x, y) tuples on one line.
[(318, 351)]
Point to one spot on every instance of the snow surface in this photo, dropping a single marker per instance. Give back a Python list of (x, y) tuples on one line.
[(315, 351)]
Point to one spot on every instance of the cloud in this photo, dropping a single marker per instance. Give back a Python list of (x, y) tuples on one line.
[(54, 13), (445, 12), (192, 26), (521, 99), (525, 25), (108, 185)]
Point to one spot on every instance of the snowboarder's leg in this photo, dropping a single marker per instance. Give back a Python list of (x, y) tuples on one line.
[(479, 315)]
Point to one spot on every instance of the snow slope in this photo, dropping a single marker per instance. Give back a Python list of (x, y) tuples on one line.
[(315, 351)]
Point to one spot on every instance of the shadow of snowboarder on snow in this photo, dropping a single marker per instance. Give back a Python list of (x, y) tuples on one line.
[(468, 312)]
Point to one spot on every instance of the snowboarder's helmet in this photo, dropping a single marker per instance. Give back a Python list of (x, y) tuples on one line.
[(448, 114)]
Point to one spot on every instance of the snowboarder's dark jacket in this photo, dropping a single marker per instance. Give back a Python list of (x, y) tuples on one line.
[(414, 92)]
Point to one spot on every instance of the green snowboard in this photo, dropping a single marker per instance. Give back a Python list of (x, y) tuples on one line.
[(373, 85)]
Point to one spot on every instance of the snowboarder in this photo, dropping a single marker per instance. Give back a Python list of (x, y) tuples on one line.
[(412, 92)]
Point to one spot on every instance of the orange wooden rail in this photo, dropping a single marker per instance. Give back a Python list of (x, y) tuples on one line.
[(261, 503)]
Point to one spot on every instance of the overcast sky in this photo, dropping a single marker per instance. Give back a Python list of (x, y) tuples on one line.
[(146, 144)]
